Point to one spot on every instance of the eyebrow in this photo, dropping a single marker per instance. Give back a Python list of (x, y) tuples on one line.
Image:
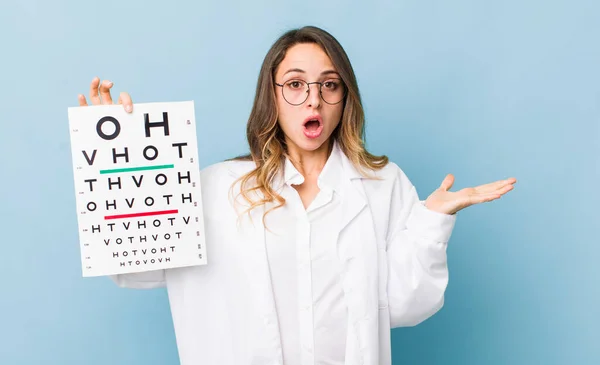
[(326, 72)]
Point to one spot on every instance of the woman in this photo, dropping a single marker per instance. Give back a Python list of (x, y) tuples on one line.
[(316, 247)]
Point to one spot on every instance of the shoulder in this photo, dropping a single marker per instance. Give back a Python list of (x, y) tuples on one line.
[(220, 177), (216, 185), (389, 174), (222, 172), (389, 185)]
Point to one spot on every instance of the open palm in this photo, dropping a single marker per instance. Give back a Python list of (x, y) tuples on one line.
[(444, 201)]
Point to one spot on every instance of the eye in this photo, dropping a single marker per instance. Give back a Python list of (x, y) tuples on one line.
[(295, 84), (331, 84)]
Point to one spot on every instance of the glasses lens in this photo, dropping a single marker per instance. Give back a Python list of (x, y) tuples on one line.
[(333, 91), (295, 92)]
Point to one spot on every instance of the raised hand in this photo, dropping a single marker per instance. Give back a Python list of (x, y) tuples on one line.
[(100, 95), (444, 201)]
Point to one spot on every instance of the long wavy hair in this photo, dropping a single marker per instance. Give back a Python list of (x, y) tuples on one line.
[(265, 137)]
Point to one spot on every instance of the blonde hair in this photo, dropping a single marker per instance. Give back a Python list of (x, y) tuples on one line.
[(265, 136)]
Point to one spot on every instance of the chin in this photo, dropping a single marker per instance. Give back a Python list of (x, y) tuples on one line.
[(311, 144)]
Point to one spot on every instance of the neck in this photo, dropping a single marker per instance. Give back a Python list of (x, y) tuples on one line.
[(310, 163)]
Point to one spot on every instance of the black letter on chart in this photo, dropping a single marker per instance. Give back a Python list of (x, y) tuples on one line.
[(154, 153), (91, 181), (138, 183), (130, 204), (106, 136), (124, 154), (164, 179), (184, 198), (148, 124), (111, 183), (181, 177), (89, 160), (179, 145)]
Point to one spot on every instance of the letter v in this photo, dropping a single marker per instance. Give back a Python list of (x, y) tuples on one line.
[(90, 161), (138, 183)]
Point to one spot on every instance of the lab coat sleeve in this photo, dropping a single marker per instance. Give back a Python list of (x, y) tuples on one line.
[(416, 253), (140, 280)]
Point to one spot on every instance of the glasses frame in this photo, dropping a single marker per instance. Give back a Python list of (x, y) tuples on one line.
[(308, 91)]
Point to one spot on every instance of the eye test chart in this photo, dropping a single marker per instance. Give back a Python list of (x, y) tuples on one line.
[(137, 187)]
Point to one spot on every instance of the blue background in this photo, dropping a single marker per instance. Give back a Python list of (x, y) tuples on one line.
[(482, 89)]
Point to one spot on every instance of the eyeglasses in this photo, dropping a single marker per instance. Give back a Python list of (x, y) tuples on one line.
[(295, 92)]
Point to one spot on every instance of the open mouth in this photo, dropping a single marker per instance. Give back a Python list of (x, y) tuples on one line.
[(313, 126)]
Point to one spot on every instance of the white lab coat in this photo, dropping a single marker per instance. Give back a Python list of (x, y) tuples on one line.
[(392, 252)]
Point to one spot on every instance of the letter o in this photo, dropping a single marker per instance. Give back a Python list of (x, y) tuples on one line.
[(155, 153), (164, 179), (104, 135)]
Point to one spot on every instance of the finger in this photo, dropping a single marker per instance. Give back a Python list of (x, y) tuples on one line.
[(500, 191), (94, 97), (125, 99), (466, 200), (488, 188), (494, 186), (105, 92), (447, 183), (504, 189), (81, 99), (482, 198)]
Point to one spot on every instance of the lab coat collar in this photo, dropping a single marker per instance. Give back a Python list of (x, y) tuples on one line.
[(291, 175), (338, 174), (337, 166)]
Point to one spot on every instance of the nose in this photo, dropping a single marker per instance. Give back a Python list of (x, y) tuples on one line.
[(314, 95)]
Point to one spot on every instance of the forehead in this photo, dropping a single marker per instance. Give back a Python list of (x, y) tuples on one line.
[(309, 57)]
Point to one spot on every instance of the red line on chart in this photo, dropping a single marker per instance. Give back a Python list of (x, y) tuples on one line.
[(145, 214)]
